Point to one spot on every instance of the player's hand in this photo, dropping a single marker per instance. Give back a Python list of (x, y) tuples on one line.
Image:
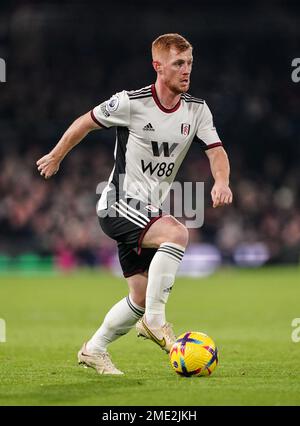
[(221, 195), (48, 166)]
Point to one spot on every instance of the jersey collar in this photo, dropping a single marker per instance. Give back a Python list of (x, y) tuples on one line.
[(160, 106)]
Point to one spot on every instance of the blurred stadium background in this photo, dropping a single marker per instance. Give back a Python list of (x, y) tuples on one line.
[(64, 58)]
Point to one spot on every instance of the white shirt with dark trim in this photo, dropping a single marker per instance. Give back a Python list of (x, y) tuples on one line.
[(152, 141)]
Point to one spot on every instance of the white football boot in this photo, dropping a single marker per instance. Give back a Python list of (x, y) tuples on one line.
[(162, 336), (101, 361)]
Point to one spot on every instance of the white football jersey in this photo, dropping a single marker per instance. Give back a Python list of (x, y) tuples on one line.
[(151, 141)]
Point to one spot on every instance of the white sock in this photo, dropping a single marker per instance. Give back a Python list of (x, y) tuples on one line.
[(117, 322), (161, 277)]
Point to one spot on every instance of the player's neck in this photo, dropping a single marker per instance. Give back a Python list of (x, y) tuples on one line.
[(166, 97)]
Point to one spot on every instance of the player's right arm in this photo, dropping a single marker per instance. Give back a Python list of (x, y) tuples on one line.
[(113, 112), (48, 165)]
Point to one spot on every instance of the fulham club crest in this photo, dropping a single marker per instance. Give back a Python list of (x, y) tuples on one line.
[(185, 129)]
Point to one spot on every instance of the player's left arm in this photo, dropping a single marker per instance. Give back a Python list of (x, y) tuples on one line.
[(219, 164)]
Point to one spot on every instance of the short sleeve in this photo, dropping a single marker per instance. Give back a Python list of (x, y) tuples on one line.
[(113, 112), (206, 133)]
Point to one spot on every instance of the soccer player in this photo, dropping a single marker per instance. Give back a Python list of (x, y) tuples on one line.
[(155, 128)]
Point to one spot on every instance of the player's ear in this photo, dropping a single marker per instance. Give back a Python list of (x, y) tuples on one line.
[(157, 66)]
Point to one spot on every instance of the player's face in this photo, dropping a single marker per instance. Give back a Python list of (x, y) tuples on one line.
[(176, 70)]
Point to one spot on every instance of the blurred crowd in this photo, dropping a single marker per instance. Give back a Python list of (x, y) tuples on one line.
[(58, 216), (56, 73)]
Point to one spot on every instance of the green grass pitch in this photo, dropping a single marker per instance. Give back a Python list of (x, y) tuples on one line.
[(247, 312)]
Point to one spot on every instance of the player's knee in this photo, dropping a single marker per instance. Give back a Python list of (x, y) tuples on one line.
[(175, 232), (179, 235), (167, 229)]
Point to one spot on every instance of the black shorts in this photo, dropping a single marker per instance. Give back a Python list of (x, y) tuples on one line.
[(127, 221)]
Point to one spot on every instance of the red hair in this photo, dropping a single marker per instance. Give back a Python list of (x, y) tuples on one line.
[(165, 42)]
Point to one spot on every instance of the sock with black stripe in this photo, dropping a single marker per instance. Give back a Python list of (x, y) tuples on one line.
[(117, 322), (161, 277)]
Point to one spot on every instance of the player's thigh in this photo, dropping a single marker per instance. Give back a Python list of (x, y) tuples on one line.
[(137, 287), (166, 229)]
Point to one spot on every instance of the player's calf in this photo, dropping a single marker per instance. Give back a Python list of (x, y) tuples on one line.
[(171, 238)]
